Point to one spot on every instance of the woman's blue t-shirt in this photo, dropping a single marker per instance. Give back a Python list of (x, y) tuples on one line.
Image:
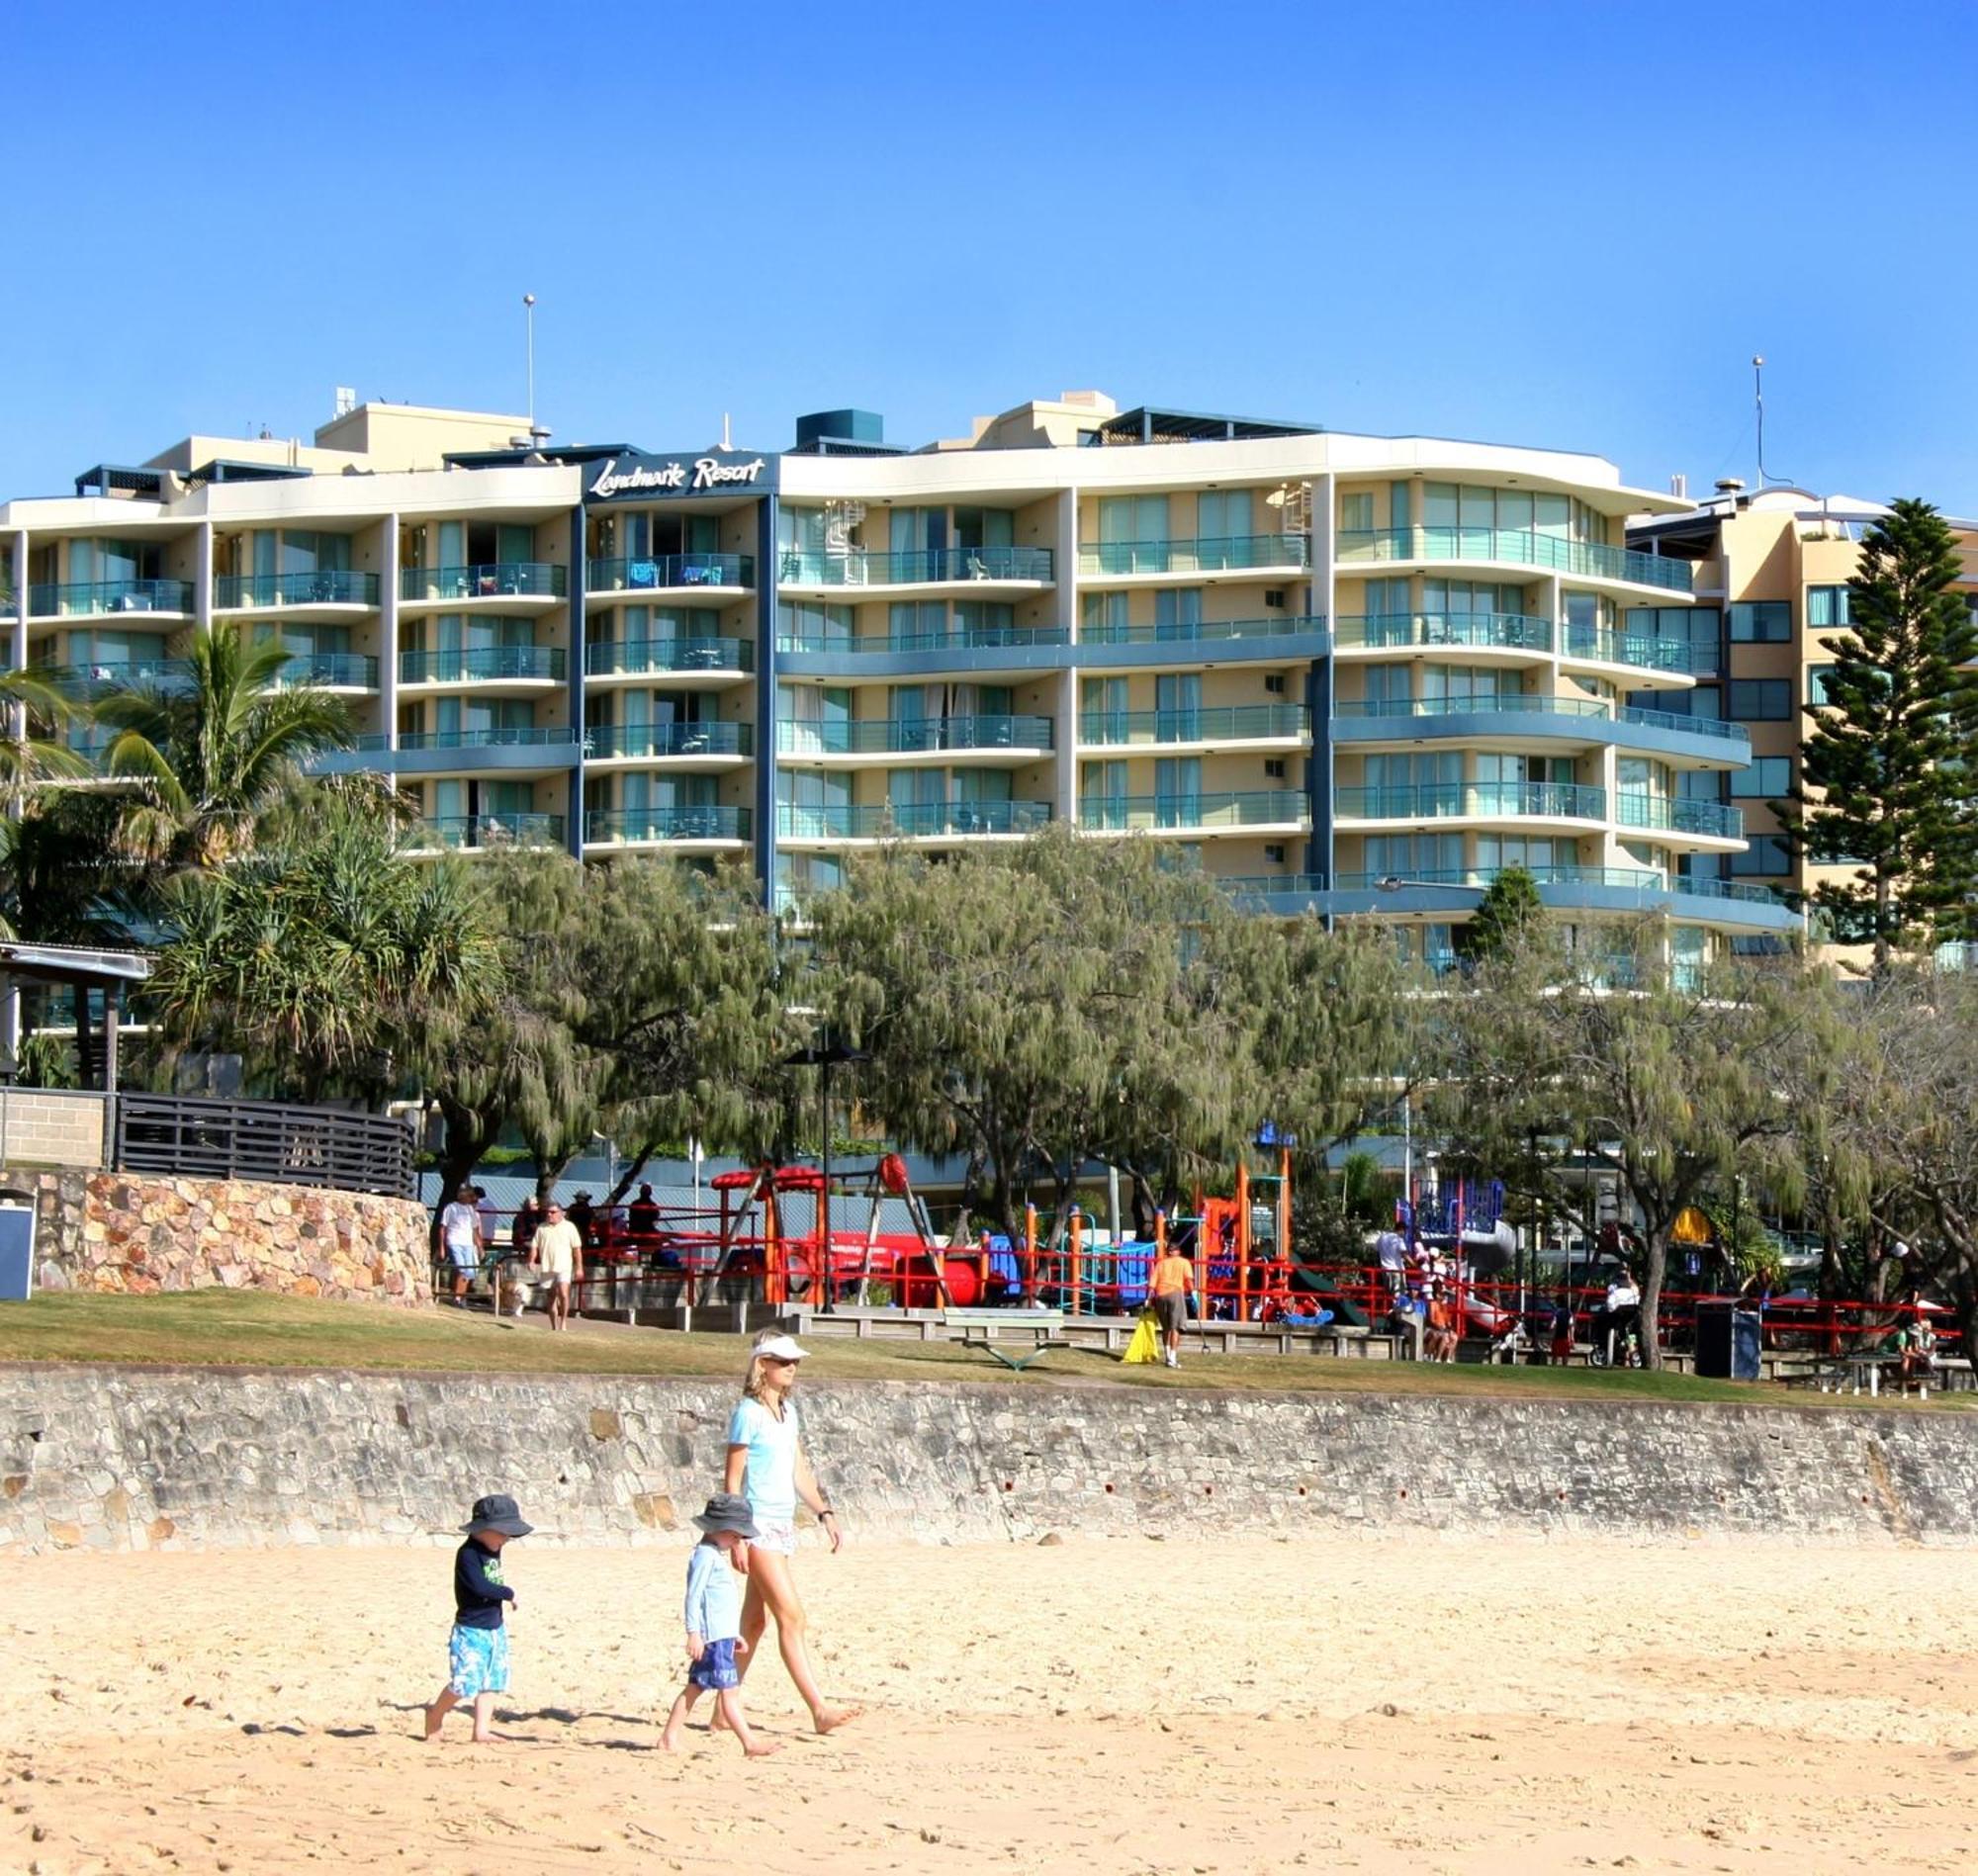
[(770, 1480)]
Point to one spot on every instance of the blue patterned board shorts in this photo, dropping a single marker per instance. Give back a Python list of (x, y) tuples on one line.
[(716, 1668), (477, 1662)]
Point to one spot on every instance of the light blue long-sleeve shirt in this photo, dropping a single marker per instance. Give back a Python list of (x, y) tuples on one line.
[(713, 1595)]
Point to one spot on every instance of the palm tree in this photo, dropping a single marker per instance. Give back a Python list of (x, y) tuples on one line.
[(206, 760), (31, 704)]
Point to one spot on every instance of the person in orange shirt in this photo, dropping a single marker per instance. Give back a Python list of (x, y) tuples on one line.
[(1172, 1280)]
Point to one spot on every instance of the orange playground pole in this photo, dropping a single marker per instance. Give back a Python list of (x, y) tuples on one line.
[(1030, 1254), (1077, 1239), (772, 1250), (1242, 1242), (982, 1269), (1285, 1204), (1160, 1233)]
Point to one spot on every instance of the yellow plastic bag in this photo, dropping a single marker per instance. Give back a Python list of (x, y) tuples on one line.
[(1146, 1343)]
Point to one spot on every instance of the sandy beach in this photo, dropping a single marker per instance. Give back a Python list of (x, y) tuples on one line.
[(1254, 1705)]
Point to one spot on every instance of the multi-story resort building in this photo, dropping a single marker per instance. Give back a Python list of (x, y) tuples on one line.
[(1351, 673)]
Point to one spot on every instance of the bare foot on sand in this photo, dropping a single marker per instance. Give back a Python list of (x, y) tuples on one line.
[(435, 1719), (765, 1749), (830, 1718)]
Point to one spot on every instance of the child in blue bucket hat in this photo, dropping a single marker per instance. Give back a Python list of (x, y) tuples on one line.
[(477, 1652)]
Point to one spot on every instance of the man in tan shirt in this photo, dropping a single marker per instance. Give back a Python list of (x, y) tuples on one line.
[(1173, 1278), (556, 1250)]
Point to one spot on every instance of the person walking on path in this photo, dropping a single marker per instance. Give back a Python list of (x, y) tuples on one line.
[(460, 1233), (1169, 1286), (477, 1652), (768, 1467), (714, 1577), (556, 1250)]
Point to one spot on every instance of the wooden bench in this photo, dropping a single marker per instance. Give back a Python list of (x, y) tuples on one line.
[(980, 1328)]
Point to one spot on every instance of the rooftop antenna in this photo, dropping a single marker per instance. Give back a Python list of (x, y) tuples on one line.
[(724, 442), (1758, 397), (529, 323)]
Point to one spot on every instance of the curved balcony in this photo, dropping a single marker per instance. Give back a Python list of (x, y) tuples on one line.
[(918, 736), (1442, 546), (243, 593), (707, 826), (1476, 802), (669, 572), (532, 737), (1665, 815), (706, 659), (656, 742), (911, 821), (514, 663), (1237, 552), (490, 579), (1288, 723), (1205, 813), (1601, 644), (82, 599), (1474, 631), (478, 833), (1532, 717), (930, 566)]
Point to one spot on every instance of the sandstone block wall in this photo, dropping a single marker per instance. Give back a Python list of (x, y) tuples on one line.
[(113, 1458), (47, 1126), (144, 1234)]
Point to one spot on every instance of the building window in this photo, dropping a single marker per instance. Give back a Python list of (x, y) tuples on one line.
[(1765, 856), (1761, 622), (1769, 779), (1825, 606), (1818, 677), (1761, 700)]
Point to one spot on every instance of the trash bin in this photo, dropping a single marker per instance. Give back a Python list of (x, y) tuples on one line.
[(1727, 1342)]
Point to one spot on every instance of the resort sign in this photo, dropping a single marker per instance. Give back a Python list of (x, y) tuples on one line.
[(633, 475)]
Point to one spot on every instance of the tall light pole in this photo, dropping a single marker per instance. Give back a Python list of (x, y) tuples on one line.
[(529, 325)]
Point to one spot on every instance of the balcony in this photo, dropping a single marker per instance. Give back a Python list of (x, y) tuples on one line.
[(329, 671), (1615, 879), (916, 735), (1474, 631), (1664, 815), (491, 580), (48, 600), (1437, 546), (1475, 800), (1154, 729), (1196, 813), (930, 566), (655, 741), (915, 821), (1270, 892), (533, 664), (669, 572), (720, 658), (527, 736), (1207, 631), (241, 592), (1520, 703), (1239, 553), (989, 637), (478, 833), (1601, 645), (172, 675), (603, 826)]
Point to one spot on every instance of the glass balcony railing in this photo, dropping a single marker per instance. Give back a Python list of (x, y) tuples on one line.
[(491, 580), (475, 833), (233, 592), (1621, 878), (1234, 554), (928, 567), (1204, 631), (649, 657), (1481, 800), (333, 671), (1496, 631), (1665, 815), (1265, 892), (708, 823), (1520, 703), (1587, 558), (908, 821), (1235, 722), (1688, 724), (980, 638), (1601, 645), (124, 673), (658, 572), (527, 736), (47, 599), (914, 735), (655, 741), (1240, 808), (464, 664)]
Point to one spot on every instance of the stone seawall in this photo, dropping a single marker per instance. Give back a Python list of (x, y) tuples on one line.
[(120, 1459), (130, 1232)]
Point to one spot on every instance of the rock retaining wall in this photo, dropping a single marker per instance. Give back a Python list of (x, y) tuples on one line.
[(117, 1458), (139, 1234)]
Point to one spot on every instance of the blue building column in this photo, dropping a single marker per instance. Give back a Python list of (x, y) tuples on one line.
[(574, 823), (768, 575), (1318, 768)]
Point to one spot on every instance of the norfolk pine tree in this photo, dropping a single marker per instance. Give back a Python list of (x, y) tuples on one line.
[(1884, 786)]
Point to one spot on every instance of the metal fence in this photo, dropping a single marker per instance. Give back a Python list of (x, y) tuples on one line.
[(263, 1140)]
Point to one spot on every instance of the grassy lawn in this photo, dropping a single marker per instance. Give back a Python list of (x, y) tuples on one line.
[(255, 1329)]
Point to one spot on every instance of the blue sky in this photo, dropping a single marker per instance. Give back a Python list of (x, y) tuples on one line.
[(1562, 224)]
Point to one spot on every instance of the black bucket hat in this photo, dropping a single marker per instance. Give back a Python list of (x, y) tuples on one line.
[(498, 1512), (728, 1511)]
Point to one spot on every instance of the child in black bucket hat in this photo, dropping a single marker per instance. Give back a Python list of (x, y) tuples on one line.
[(477, 1653), (714, 1620)]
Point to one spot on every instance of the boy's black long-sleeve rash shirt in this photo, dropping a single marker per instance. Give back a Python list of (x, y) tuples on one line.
[(478, 1590)]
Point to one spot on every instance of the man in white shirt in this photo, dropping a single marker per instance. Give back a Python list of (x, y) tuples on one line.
[(460, 1233), (558, 1251)]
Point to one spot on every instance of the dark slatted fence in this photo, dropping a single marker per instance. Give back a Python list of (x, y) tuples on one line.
[(264, 1141)]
